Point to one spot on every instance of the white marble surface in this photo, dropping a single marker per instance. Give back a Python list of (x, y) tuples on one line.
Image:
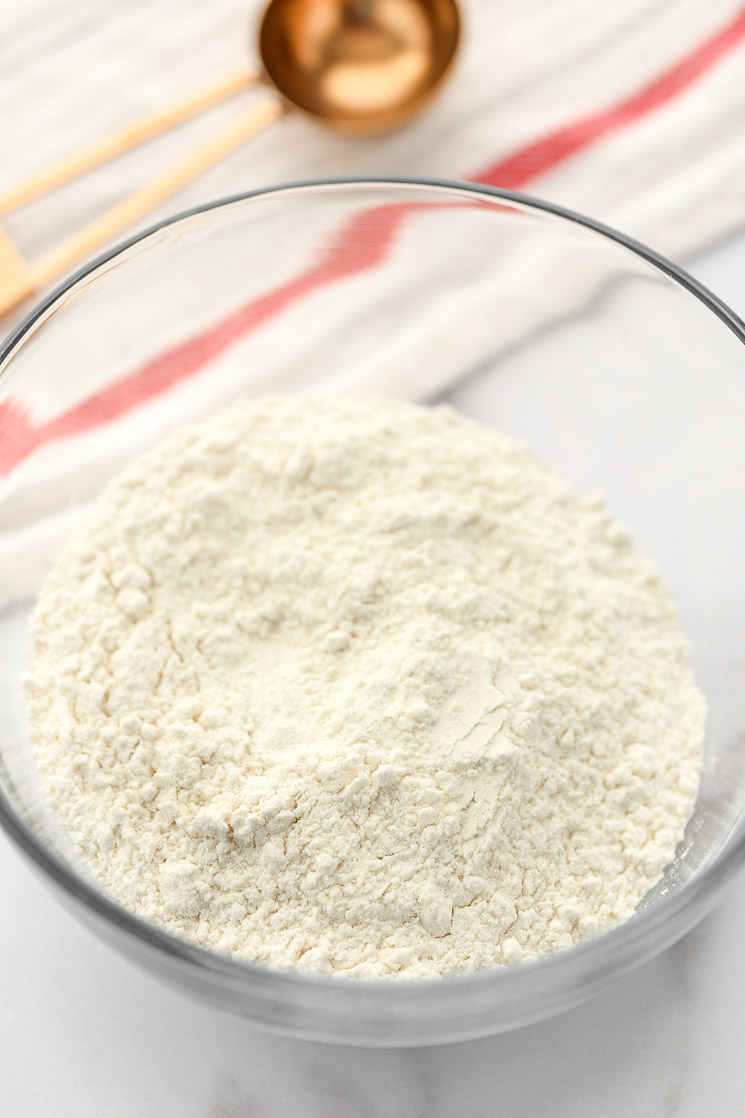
[(83, 1034)]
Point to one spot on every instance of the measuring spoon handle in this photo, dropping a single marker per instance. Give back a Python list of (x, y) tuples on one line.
[(122, 139), (147, 197)]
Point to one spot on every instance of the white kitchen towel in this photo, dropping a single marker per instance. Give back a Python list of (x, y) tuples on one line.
[(634, 113)]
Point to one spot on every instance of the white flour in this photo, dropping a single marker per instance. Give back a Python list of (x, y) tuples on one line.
[(366, 688)]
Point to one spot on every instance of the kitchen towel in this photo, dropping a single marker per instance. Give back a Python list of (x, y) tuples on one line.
[(632, 113)]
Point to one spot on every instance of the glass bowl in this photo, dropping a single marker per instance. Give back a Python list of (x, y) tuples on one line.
[(619, 368)]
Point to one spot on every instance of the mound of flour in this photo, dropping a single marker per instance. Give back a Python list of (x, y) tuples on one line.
[(362, 687)]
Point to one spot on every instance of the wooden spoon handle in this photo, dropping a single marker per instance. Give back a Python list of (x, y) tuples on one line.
[(122, 139), (16, 281), (131, 209)]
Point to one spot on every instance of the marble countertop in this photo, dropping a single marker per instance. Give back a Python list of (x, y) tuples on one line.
[(83, 1034)]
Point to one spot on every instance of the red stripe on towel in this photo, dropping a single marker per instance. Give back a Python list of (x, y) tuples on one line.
[(360, 245)]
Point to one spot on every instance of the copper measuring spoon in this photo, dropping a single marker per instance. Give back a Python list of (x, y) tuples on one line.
[(357, 66)]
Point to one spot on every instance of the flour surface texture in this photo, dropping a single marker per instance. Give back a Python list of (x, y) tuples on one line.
[(366, 688)]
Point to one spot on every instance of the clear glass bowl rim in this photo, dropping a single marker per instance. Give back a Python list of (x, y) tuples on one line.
[(591, 956)]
